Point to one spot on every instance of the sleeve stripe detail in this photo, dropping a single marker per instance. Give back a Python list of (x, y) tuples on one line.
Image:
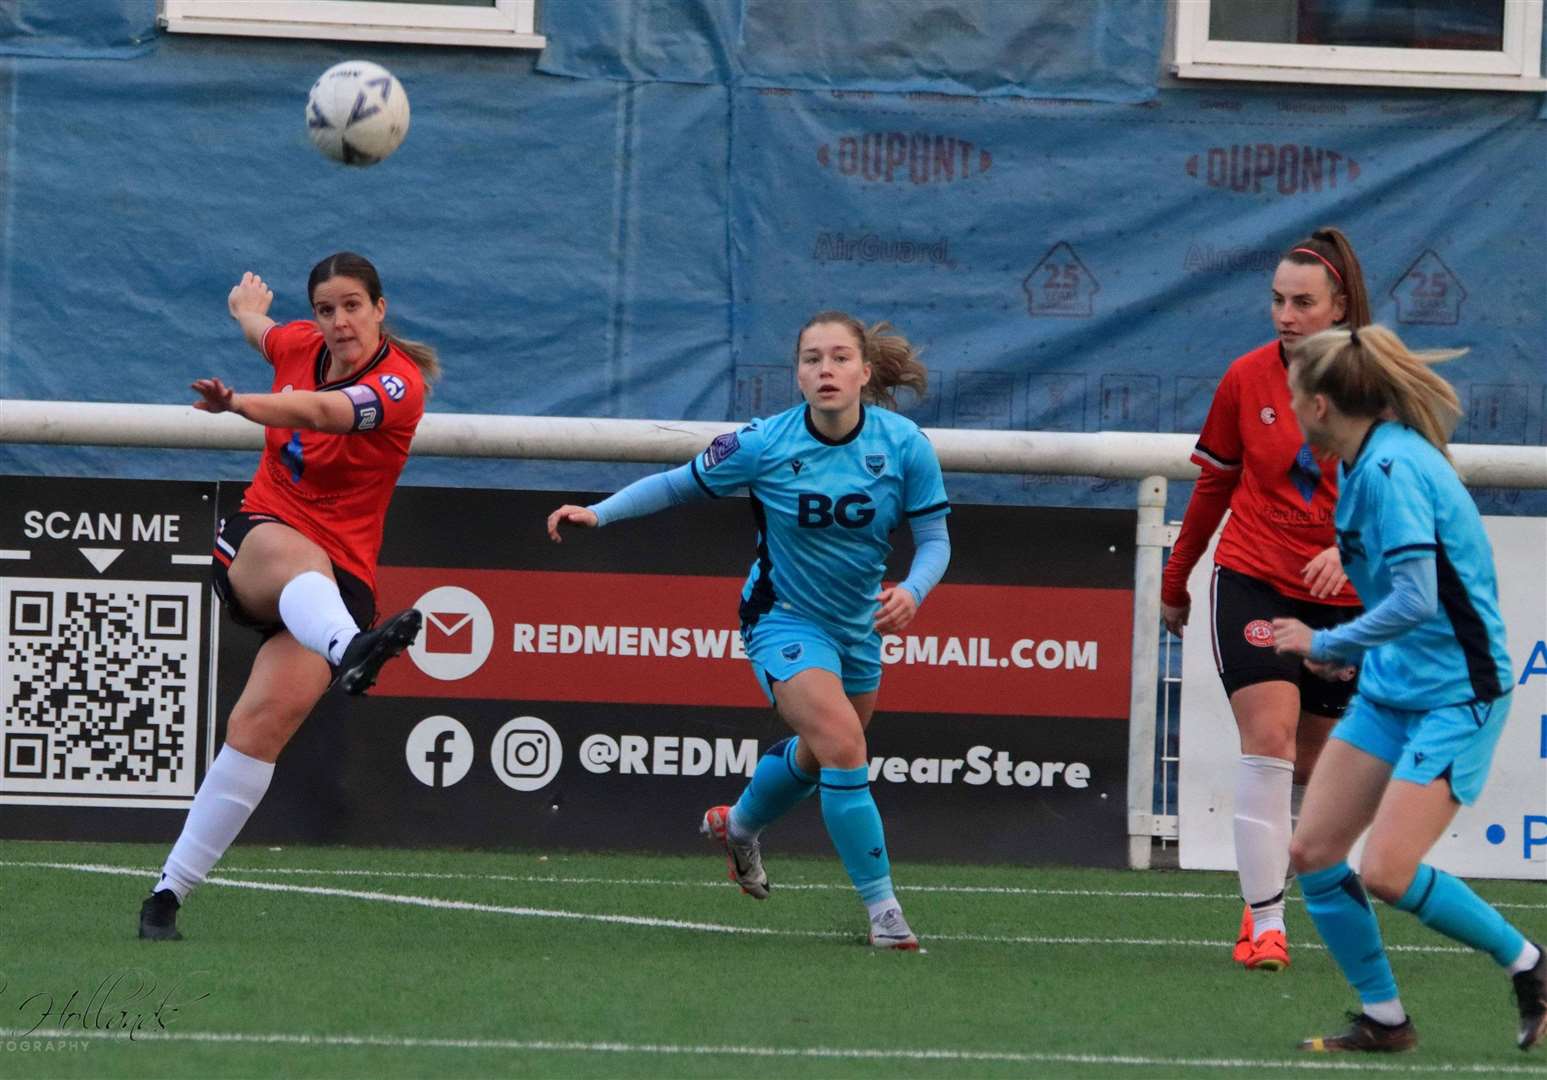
[(927, 509), (1204, 456), (700, 479), (1412, 547), (263, 342)]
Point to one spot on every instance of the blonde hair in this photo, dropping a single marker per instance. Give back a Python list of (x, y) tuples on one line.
[(1368, 372), (893, 361)]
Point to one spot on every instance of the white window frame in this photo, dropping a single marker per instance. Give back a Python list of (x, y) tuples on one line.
[(509, 24), (1518, 66)]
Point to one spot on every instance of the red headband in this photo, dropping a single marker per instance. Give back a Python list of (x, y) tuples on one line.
[(1316, 255)]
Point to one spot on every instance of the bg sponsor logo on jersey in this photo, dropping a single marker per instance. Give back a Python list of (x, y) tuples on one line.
[(439, 751), (917, 157), (818, 511), (1259, 632), (526, 753), (1286, 168), (457, 635)]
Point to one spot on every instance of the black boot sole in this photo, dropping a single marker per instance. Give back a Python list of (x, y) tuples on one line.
[(397, 635)]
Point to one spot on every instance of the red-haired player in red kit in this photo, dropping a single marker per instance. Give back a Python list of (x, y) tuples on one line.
[(297, 562), (1277, 558)]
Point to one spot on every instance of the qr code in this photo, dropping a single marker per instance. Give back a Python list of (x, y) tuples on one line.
[(101, 688)]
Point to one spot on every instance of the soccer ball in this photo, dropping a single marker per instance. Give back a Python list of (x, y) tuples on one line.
[(357, 112)]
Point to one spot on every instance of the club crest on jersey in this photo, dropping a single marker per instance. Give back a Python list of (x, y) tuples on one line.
[(876, 463), (1259, 632), (792, 651), (394, 386), (722, 447), (1267, 415)]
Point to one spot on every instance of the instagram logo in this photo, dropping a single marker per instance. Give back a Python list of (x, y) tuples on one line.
[(526, 753)]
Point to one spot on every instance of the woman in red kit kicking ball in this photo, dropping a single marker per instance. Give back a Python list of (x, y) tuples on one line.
[(297, 562), (1276, 559)]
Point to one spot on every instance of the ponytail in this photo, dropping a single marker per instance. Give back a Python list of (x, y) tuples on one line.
[(893, 361), (1331, 250), (424, 357), (1369, 372)]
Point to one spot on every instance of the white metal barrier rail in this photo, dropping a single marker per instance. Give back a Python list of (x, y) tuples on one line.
[(1152, 459)]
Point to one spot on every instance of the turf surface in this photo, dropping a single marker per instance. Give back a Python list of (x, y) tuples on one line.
[(310, 962)]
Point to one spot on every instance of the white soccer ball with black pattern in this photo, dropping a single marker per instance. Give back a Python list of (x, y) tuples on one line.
[(357, 112)]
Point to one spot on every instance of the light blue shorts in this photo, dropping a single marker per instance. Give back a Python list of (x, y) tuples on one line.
[(782, 645), (1456, 741)]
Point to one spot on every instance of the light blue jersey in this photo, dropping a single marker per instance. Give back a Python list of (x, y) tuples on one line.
[(1402, 500), (824, 510)]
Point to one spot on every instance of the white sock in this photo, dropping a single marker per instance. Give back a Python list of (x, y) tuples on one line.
[(232, 788), (313, 611), (1526, 960), (1262, 831), (877, 908), (735, 830), (1389, 1013)]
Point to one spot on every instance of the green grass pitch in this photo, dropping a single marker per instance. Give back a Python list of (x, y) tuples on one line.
[(335, 962)]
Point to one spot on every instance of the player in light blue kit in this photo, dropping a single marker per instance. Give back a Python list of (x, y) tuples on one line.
[(829, 481), (1434, 678)]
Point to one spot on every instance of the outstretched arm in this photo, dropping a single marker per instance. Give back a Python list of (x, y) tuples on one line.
[(310, 410), (248, 303), (647, 495)]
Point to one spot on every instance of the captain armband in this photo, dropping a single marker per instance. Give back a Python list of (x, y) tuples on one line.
[(367, 406)]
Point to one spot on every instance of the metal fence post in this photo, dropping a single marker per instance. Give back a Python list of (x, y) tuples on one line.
[(1150, 542)]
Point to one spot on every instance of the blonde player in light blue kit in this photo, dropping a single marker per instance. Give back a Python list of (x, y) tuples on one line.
[(1434, 678), (829, 480)]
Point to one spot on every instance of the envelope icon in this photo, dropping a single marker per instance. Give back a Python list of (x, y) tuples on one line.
[(448, 632)]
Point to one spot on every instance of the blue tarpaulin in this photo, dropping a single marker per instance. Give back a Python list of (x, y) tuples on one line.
[(643, 234)]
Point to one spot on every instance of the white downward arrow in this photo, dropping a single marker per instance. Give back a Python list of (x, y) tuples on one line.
[(101, 558)]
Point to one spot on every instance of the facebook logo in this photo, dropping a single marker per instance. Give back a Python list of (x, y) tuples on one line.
[(439, 751)]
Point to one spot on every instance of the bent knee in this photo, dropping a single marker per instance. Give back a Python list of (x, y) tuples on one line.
[(1384, 877), (263, 728), (1308, 854)]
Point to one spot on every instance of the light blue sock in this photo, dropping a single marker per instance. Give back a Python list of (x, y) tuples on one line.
[(1340, 909), (1444, 903), (854, 824), (777, 785)]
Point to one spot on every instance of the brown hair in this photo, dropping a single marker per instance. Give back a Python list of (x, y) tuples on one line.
[(1329, 249), (348, 264), (893, 361), (1368, 372)]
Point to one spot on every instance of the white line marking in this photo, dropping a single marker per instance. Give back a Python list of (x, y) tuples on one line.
[(1024, 1057), (682, 924), (192, 560), (12, 553), (1001, 890)]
